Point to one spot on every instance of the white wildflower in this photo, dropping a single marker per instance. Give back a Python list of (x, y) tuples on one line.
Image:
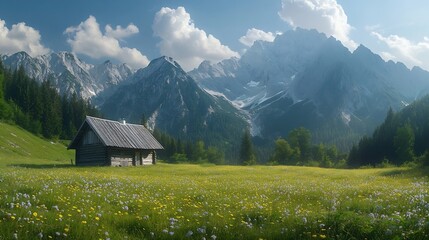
[(189, 233)]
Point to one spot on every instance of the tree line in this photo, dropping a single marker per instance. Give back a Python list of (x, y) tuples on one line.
[(178, 151), (402, 138), (295, 149), (38, 107)]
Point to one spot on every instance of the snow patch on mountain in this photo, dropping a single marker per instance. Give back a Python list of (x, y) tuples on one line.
[(69, 74), (346, 117), (151, 122), (304, 78)]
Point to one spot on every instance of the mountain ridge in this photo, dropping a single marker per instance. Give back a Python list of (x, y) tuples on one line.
[(305, 75), (171, 101), (301, 79), (68, 73)]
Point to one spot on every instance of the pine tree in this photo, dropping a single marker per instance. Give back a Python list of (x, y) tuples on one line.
[(143, 120), (332, 153), (5, 109), (52, 115), (247, 154), (215, 156), (300, 138), (199, 153), (404, 144), (180, 147), (319, 153), (1, 82)]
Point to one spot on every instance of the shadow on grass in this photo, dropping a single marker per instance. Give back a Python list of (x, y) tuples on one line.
[(407, 172), (42, 166)]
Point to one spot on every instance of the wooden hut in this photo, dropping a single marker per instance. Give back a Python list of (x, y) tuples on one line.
[(101, 142)]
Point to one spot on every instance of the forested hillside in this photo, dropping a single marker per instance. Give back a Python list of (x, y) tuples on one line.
[(402, 137), (39, 108)]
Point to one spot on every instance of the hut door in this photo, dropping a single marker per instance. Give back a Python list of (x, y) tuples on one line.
[(138, 159)]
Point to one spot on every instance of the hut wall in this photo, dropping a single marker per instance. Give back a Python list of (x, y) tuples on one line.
[(121, 157), (91, 155), (147, 157), (129, 157)]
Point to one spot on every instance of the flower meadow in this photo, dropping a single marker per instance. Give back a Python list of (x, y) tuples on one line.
[(212, 202)]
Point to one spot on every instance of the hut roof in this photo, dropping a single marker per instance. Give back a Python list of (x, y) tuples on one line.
[(116, 134)]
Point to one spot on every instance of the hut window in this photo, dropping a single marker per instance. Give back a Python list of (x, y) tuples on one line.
[(90, 138)]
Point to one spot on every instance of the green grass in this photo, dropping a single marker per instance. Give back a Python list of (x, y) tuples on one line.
[(166, 201), (18, 146)]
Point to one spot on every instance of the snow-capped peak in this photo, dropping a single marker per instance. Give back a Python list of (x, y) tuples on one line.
[(159, 62), (70, 74)]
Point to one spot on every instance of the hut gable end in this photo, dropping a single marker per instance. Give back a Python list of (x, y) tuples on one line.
[(90, 138)]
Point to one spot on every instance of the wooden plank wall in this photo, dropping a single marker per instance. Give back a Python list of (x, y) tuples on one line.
[(147, 156), (127, 157), (91, 155), (121, 157)]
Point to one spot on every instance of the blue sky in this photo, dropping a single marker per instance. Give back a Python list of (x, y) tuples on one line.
[(192, 31)]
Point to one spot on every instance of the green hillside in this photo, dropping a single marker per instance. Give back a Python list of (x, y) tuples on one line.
[(18, 146), (402, 137)]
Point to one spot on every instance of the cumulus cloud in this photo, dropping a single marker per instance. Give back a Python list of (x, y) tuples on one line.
[(87, 39), (121, 33), (254, 34), (184, 42), (20, 38), (402, 49), (326, 16), (388, 56)]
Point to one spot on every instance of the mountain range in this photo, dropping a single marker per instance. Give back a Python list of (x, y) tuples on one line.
[(306, 79), (301, 79), (69, 74), (170, 100)]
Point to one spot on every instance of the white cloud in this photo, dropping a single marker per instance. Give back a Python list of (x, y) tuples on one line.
[(371, 28), (388, 56), (184, 42), (326, 16), (406, 51), (88, 39), (20, 38), (254, 34), (120, 33)]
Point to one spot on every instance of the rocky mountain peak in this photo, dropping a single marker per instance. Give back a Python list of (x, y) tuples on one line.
[(304, 75), (71, 74), (162, 62)]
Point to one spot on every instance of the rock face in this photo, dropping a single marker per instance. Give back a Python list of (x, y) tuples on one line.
[(171, 101), (69, 74), (305, 79)]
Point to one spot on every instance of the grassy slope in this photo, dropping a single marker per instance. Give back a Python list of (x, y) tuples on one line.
[(18, 146)]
